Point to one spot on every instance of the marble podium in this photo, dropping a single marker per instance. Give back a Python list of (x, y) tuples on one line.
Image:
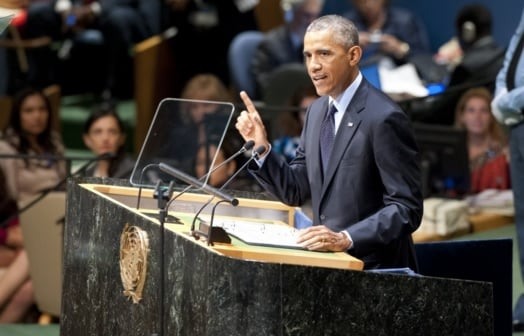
[(236, 289)]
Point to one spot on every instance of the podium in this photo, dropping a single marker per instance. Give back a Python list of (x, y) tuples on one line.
[(236, 289)]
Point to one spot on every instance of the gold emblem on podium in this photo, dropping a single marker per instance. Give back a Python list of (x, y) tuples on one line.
[(134, 250)]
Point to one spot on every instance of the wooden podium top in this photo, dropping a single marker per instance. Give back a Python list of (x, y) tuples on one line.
[(274, 211)]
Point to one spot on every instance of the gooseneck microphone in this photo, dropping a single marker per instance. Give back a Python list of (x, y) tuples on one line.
[(101, 157), (196, 183), (255, 155), (45, 192), (247, 146)]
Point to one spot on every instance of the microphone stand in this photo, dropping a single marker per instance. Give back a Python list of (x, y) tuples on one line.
[(146, 167), (210, 234), (162, 200), (224, 238), (46, 192)]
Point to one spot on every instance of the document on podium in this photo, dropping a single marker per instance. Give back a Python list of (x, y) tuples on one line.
[(261, 233)]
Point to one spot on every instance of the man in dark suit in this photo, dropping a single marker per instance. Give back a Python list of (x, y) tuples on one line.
[(365, 190)]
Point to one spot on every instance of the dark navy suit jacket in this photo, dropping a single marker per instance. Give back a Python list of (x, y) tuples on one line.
[(372, 185)]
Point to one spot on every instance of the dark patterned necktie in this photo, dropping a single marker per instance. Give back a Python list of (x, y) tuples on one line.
[(327, 135)]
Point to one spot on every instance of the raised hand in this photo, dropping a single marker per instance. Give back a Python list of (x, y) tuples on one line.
[(249, 124)]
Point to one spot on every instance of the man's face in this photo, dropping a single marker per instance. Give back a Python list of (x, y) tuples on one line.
[(331, 67)]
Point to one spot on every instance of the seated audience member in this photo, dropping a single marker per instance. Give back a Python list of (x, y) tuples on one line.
[(386, 31), (204, 87), (197, 124), (283, 44), (120, 24), (16, 294), (16, 290), (204, 26), (29, 133), (481, 60), (487, 143), (291, 122), (104, 133), (10, 233), (482, 57)]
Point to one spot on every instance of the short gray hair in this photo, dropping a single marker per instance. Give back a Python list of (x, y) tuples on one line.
[(344, 31)]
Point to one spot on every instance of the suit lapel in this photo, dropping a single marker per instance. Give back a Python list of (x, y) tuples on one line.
[(315, 139), (348, 126)]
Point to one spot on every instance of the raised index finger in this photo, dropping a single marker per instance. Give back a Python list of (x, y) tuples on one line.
[(248, 102)]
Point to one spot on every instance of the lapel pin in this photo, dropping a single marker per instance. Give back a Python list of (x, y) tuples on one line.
[(350, 124)]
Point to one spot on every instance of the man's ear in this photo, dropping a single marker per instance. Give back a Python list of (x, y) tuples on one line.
[(354, 55)]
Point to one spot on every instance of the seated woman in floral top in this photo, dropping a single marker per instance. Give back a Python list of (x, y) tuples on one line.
[(487, 142)]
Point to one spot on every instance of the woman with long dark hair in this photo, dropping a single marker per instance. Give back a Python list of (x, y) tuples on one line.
[(39, 168)]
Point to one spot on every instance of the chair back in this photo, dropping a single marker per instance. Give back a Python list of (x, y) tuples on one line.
[(42, 227), (240, 54), (283, 83)]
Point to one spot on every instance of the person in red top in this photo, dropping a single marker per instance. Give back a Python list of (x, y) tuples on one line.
[(487, 142)]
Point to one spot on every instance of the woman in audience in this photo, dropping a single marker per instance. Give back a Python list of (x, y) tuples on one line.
[(291, 122), (206, 88), (487, 142), (104, 133), (197, 120), (28, 133)]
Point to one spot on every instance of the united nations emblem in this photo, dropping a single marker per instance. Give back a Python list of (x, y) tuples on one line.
[(134, 249)]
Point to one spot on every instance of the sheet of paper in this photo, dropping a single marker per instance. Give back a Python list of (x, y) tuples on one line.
[(402, 80)]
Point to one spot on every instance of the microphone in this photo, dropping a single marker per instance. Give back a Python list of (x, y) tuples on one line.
[(45, 192), (104, 156), (255, 155), (54, 157), (247, 146), (146, 167), (101, 157), (196, 183)]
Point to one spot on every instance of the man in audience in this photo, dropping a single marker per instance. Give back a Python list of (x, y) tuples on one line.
[(283, 44), (386, 31), (482, 59), (482, 56)]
